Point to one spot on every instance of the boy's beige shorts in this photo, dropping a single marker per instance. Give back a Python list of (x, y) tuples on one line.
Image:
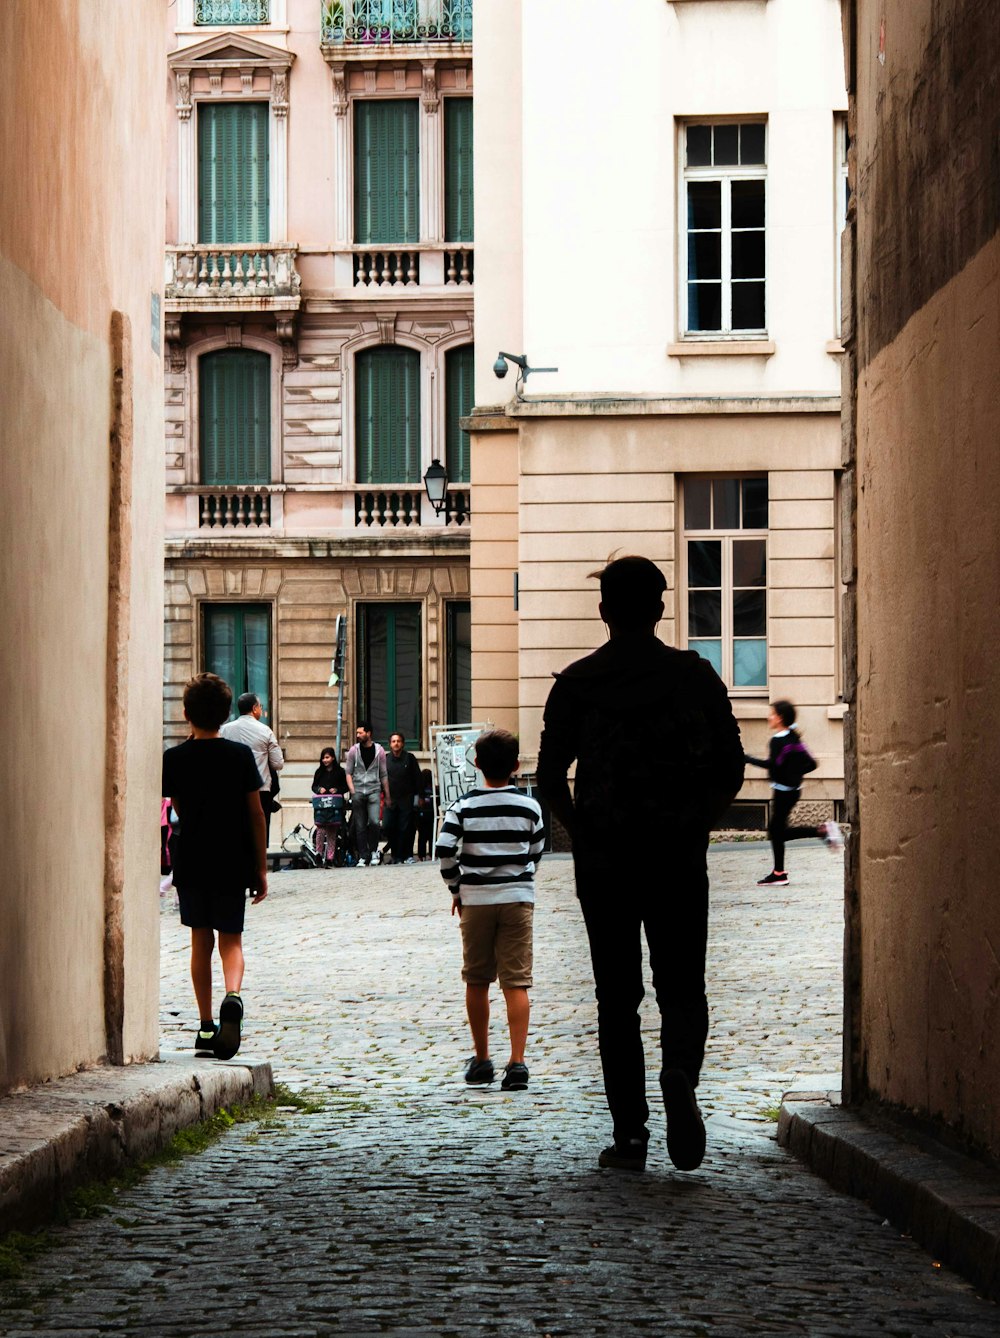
[(496, 941)]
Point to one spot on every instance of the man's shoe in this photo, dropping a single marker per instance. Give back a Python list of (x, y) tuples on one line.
[(227, 1039), (831, 835), (204, 1041), (479, 1071), (376, 858), (685, 1127), (361, 864), (411, 860), (515, 1078), (630, 1156), (773, 880)]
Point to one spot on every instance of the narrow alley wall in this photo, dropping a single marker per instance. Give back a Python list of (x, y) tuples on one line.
[(81, 496), (924, 337)]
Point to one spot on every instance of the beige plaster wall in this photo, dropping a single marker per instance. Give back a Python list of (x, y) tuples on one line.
[(589, 487), (492, 571), (929, 707), (80, 237)]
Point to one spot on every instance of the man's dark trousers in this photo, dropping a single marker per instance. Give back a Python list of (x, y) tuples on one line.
[(398, 827), (671, 905)]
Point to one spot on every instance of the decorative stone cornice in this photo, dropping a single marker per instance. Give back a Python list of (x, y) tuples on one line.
[(429, 88), (228, 51), (338, 73), (183, 103)]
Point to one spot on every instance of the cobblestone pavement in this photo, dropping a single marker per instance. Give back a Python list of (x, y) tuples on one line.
[(411, 1205)]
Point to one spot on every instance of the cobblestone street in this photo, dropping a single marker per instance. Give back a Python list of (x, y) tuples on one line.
[(412, 1205)]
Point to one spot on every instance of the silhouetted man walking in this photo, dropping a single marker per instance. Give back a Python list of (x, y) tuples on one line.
[(676, 784)]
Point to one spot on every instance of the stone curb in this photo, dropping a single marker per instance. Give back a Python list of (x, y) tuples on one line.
[(947, 1202), (60, 1134)]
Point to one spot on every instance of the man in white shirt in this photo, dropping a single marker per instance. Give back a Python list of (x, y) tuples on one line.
[(260, 740)]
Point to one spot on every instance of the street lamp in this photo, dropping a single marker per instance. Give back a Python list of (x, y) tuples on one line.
[(436, 483)]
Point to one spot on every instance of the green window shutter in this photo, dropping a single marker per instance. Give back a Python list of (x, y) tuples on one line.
[(387, 172), (389, 677), (235, 417), (238, 648), (458, 170), (387, 415), (460, 396), (233, 174)]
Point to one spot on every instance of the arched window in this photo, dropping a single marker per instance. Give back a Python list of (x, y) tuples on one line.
[(387, 414), (235, 417), (460, 396)]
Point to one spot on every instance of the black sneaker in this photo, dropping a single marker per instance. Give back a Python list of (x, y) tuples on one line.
[(227, 1040), (479, 1071), (630, 1156), (204, 1041), (773, 880), (685, 1127), (515, 1078)]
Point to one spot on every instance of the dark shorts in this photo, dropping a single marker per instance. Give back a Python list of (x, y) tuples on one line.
[(219, 908)]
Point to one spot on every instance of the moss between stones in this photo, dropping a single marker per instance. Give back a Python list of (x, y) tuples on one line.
[(97, 1197)]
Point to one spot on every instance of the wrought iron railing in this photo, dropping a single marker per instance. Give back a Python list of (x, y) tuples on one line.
[(218, 13), (389, 22), (234, 509), (229, 271)]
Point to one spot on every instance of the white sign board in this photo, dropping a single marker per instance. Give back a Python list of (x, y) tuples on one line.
[(453, 748)]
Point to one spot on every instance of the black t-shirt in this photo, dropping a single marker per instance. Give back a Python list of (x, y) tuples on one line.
[(209, 780), (404, 777), (367, 751)]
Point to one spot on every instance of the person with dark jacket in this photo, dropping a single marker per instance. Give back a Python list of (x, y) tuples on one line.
[(657, 749), (787, 762), (329, 778), (399, 821)]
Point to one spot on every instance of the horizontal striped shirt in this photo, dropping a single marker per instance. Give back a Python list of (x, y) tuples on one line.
[(490, 845)]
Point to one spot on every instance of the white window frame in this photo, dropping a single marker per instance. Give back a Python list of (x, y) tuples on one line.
[(726, 175), (727, 538)]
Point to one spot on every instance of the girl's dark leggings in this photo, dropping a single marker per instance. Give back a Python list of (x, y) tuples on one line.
[(782, 803)]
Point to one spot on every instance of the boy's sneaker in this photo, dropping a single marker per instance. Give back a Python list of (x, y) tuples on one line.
[(685, 1127), (773, 880), (630, 1156), (515, 1078), (227, 1040), (479, 1071), (204, 1040), (831, 835), (361, 864), (376, 858)]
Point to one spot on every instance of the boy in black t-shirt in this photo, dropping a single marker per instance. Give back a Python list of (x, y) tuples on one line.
[(219, 852)]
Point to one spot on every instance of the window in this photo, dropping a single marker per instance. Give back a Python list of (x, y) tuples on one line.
[(843, 200), (229, 12), (389, 669), (459, 650), (458, 170), (237, 641), (235, 417), (727, 576), (460, 395), (387, 415), (724, 206), (233, 172), (387, 172)]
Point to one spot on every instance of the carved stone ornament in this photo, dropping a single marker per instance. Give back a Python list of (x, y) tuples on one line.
[(461, 78), (399, 78), (386, 328), (284, 328), (172, 339), (234, 335), (429, 94), (371, 80), (338, 74), (183, 95), (246, 78), (279, 93), (215, 82)]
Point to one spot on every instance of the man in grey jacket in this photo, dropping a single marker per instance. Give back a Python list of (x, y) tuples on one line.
[(367, 779)]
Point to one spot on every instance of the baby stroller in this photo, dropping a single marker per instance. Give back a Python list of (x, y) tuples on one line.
[(329, 814), (299, 844)]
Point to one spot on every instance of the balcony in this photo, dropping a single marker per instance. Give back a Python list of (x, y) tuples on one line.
[(278, 511), (231, 13), (374, 24), (399, 508), (389, 268), (225, 277)]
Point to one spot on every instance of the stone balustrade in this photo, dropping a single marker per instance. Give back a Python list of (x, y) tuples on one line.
[(218, 273), (243, 508), (377, 267)]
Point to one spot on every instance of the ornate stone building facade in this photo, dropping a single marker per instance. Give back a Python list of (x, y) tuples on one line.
[(319, 289)]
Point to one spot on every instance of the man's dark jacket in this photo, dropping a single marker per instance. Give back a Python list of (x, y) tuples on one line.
[(654, 739)]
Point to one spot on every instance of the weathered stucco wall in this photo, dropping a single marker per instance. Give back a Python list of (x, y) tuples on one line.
[(80, 239), (927, 937)]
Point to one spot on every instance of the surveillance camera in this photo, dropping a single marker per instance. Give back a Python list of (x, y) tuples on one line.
[(500, 367)]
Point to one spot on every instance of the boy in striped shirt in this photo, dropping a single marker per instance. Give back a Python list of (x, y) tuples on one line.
[(489, 847)]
